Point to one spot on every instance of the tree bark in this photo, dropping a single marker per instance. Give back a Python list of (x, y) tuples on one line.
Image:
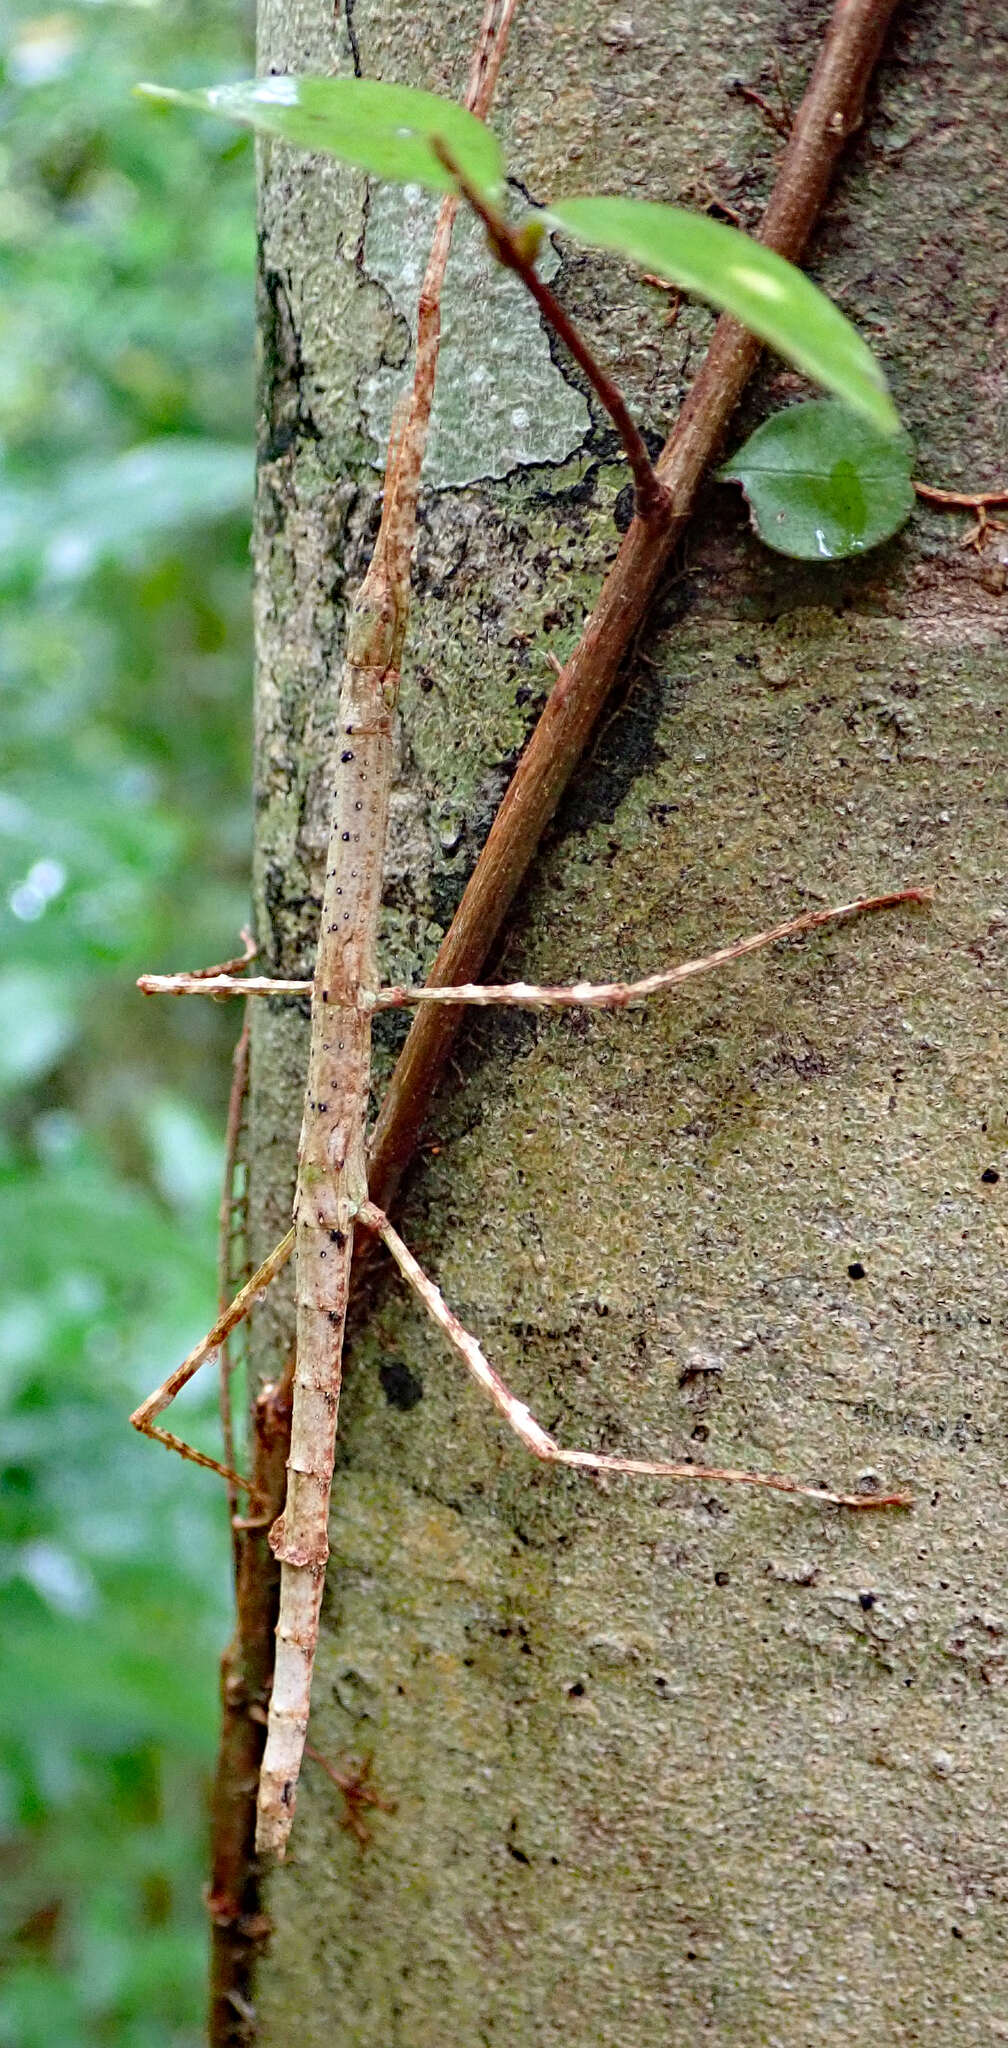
[(669, 1763)]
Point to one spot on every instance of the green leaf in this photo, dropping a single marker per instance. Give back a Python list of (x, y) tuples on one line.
[(821, 483), (387, 130), (739, 276)]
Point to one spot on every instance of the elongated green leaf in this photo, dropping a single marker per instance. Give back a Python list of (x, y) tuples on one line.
[(822, 483), (384, 129), (739, 276)]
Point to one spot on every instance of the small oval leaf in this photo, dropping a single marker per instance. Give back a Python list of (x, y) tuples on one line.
[(822, 483), (387, 130), (736, 274)]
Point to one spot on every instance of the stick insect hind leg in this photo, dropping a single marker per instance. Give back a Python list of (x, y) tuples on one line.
[(544, 1446)]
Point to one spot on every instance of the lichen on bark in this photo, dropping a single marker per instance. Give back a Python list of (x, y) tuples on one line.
[(668, 1765)]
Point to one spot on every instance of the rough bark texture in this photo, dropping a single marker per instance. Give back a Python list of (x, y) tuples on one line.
[(669, 1766)]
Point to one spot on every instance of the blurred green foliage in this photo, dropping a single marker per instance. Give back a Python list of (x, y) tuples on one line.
[(126, 252)]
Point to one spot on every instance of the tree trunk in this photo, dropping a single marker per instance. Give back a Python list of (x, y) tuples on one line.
[(669, 1762)]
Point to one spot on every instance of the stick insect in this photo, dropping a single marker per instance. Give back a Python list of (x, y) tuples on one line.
[(332, 1200)]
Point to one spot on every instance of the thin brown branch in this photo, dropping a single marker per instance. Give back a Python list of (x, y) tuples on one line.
[(829, 113), (653, 503), (225, 1245), (238, 1926)]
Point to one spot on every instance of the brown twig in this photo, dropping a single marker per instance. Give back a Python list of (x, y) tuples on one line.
[(653, 503), (238, 1926), (225, 1243), (829, 113)]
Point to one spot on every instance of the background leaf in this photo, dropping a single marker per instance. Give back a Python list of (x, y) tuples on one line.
[(36, 1024), (127, 250), (822, 483), (119, 510), (383, 129), (736, 274)]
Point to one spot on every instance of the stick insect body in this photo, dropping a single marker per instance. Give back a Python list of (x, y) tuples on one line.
[(332, 1197)]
